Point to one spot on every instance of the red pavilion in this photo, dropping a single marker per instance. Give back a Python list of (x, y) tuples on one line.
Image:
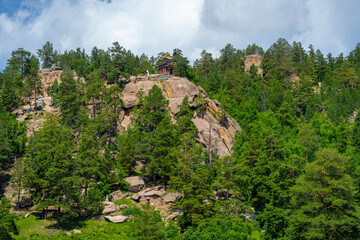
[(166, 67)]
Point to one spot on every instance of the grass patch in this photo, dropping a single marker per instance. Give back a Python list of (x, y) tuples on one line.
[(124, 201), (35, 228)]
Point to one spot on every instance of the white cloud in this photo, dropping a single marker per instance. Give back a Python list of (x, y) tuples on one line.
[(141, 26), (150, 27)]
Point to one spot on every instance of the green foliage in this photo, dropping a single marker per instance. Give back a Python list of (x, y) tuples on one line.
[(302, 102), (223, 228), (147, 224), (324, 205), (12, 139), (70, 99), (47, 55), (7, 220), (51, 168)]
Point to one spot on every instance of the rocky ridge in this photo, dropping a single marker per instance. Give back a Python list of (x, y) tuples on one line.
[(215, 126)]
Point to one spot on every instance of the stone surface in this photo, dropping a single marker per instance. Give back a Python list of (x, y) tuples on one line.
[(138, 195), (34, 125), (171, 197), (153, 193), (77, 231), (132, 88), (109, 207), (136, 183), (253, 59), (117, 219), (117, 195)]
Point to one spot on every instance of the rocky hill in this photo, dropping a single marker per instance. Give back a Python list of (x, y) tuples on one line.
[(215, 126)]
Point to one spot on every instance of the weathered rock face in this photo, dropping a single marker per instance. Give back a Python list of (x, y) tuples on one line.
[(172, 197), (253, 59), (157, 197), (215, 127), (34, 125), (48, 77), (117, 219), (136, 183), (117, 195)]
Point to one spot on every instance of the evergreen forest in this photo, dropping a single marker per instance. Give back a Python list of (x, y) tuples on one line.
[(293, 172)]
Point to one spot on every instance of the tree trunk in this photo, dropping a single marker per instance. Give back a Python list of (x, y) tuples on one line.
[(35, 99), (94, 110), (46, 212), (209, 145), (58, 218), (30, 101), (19, 183)]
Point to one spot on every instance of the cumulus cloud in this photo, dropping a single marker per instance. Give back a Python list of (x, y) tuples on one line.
[(151, 27), (141, 26)]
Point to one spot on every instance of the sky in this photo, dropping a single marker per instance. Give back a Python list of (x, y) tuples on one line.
[(153, 26)]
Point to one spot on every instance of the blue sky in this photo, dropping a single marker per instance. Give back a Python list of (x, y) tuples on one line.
[(153, 26)]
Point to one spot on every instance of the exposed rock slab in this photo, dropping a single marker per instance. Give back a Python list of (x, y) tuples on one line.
[(253, 60), (117, 219), (171, 197), (136, 183), (117, 195), (132, 88)]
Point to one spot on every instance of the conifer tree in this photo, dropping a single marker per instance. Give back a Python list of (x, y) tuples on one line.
[(51, 170), (324, 204)]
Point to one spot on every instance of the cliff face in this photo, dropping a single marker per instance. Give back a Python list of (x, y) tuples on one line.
[(253, 59), (215, 126)]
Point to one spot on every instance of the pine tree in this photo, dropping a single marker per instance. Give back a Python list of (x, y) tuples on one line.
[(50, 173), (324, 204), (47, 55)]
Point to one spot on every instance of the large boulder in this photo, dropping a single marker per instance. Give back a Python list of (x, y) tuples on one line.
[(132, 88), (176, 89), (136, 183), (171, 197), (117, 219), (117, 195)]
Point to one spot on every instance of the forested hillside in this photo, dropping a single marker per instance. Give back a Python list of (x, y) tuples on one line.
[(292, 172)]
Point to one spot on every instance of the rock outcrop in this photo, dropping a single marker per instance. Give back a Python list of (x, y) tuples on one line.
[(215, 126), (117, 195), (253, 59), (136, 183), (157, 197), (171, 197)]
